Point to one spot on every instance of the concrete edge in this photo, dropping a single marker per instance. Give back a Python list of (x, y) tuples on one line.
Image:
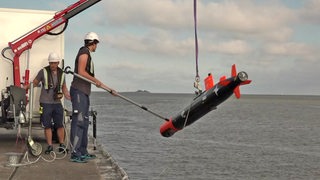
[(107, 165)]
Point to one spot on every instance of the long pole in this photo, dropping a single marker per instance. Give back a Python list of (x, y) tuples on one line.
[(68, 71)]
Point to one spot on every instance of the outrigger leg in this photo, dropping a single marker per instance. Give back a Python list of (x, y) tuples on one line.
[(34, 147)]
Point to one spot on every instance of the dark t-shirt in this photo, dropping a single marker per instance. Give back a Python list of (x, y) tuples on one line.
[(79, 83)]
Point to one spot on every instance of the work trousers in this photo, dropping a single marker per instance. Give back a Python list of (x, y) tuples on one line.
[(80, 122)]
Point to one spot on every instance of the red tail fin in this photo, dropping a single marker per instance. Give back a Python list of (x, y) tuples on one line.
[(246, 82), (233, 70), (234, 74), (236, 91)]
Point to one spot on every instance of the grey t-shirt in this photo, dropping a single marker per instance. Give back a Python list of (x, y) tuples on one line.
[(47, 96)]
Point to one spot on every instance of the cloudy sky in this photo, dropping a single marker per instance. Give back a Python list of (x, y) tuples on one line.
[(149, 44)]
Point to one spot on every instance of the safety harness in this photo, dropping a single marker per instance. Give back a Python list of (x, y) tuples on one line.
[(49, 82)]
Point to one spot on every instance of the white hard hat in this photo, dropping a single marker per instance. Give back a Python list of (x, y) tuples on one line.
[(91, 36), (53, 57)]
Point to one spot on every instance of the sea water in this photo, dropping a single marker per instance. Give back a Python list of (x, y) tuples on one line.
[(255, 137)]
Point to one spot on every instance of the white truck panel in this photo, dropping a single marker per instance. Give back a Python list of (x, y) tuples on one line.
[(14, 24)]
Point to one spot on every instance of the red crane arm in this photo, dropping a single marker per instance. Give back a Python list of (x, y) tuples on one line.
[(25, 42)]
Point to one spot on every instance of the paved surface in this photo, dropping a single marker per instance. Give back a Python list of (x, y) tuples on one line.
[(47, 166)]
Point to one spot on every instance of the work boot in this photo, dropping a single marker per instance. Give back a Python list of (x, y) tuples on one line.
[(77, 159), (63, 149), (88, 156), (49, 149)]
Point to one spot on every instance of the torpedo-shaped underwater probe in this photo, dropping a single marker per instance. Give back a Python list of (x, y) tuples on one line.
[(206, 101)]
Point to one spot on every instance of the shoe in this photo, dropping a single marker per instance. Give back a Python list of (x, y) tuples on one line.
[(77, 159), (49, 149), (88, 156), (63, 149)]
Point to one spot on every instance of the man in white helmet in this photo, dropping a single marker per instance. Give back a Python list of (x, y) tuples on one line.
[(53, 88), (80, 91)]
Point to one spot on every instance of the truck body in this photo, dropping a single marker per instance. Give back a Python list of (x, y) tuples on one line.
[(15, 23)]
